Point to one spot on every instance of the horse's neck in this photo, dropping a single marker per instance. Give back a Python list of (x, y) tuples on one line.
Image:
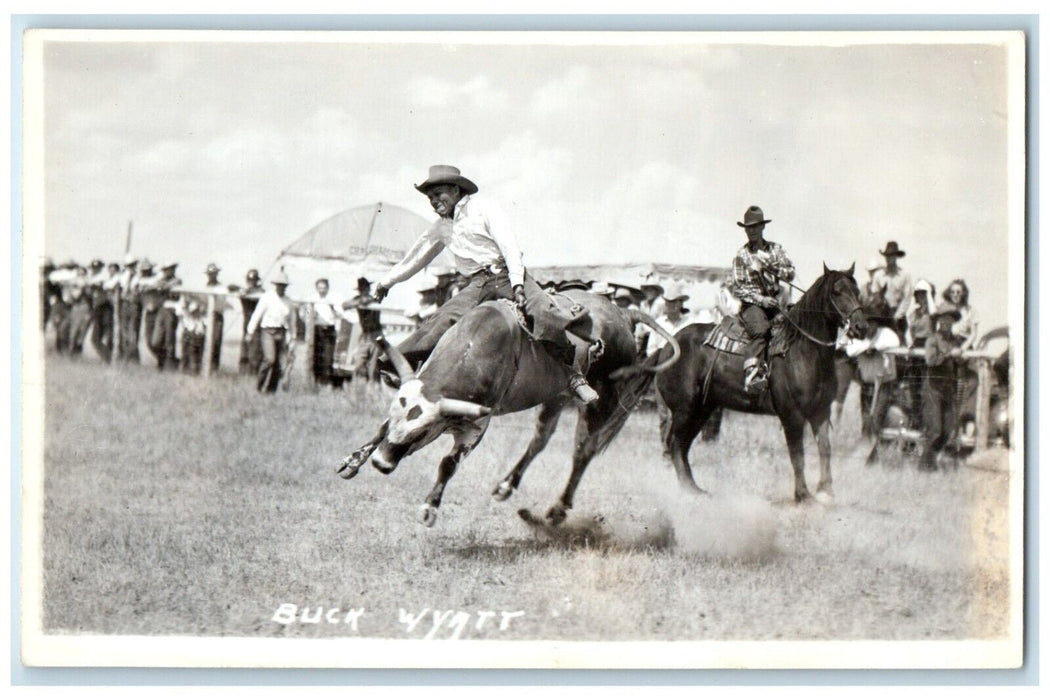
[(814, 320)]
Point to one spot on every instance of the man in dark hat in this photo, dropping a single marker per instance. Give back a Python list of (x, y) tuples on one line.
[(938, 402), (485, 249), (894, 285), (758, 268), (364, 353), (251, 348)]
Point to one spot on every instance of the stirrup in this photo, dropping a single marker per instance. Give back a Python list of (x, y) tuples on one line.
[(584, 392), (755, 380)]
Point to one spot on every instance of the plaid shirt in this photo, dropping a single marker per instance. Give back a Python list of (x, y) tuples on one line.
[(748, 285)]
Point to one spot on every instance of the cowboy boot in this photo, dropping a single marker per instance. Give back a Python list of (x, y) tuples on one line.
[(755, 379), (578, 369)]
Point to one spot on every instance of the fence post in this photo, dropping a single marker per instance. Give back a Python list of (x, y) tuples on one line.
[(118, 337), (309, 359), (209, 335), (983, 401)]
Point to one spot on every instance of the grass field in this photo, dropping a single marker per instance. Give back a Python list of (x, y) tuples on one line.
[(179, 506)]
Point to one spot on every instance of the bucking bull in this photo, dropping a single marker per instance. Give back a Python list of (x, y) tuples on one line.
[(488, 365)]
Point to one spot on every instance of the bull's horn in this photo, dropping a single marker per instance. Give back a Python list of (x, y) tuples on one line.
[(404, 369), (457, 408)]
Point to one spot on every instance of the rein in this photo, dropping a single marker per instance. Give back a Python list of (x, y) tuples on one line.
[(822, 343)]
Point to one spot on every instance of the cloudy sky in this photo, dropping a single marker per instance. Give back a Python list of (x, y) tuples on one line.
[(600, 151)]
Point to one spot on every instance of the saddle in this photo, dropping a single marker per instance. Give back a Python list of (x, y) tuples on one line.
[(731, 337), (570, 348)]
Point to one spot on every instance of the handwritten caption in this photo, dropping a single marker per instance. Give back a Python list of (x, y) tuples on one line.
[(423, 624)]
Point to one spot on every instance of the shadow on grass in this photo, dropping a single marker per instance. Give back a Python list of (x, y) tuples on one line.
[(588, 533)]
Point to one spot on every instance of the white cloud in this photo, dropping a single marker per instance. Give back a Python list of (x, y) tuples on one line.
[(429, 92), (244, 149)]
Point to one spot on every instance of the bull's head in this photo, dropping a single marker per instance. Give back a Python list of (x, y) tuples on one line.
[(415, 419)]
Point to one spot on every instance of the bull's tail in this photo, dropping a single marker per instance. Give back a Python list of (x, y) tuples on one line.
[(628, 390), (650, 367)]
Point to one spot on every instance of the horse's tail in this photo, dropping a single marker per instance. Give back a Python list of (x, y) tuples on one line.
[(650, 368)]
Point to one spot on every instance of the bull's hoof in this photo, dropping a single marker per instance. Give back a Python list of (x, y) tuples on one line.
[(428, 514), (382, 466), (352, 463), (502, 491), (556, 515), (824, 495)]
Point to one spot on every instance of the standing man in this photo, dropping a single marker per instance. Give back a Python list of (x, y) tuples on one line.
[(101, 311), (674, 317), (706, 299), (757, 270), (272, 321), (365, 351), (938, 407), (894, 284), (77, 294), (162, 342), (251, 350), (213, 285), (327, 313), (130, 314), (485, 249)]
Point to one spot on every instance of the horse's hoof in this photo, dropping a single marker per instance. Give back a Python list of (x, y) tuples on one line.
[(803, 498), (503, 491), (428, 514), (556, 515), (824, 497)]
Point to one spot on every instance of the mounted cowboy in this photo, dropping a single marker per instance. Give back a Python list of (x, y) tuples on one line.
[(486, 252), (758, 268)]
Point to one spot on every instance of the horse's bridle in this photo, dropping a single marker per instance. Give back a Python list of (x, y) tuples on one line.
[(844, 318)]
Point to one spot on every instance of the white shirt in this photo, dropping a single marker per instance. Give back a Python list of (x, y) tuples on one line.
[(327, 310), (272, 312), (705, 301), (478, 235), (656, 341)]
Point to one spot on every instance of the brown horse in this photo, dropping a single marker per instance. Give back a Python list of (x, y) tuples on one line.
[(801, 379)]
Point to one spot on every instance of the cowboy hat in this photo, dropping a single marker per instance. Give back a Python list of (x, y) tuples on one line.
[(946, 309), (169, 266), (363, 283), (752, 217), (446, 175), (97, 263), (675, 292), (922, 286), (130, 259), (623, 293), (146, 264), (572, 284), (253, 274), (892, 250), (602, 288), (280, 278), (212, 269)]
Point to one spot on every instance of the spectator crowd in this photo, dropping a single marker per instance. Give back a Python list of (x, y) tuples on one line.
[(120, 307)]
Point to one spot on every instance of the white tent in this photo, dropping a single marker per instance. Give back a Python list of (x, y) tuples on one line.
[(364, 241)]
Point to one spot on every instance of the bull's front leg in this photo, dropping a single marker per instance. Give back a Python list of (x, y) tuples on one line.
[(546, 423), (466, 439), (352, 462)]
